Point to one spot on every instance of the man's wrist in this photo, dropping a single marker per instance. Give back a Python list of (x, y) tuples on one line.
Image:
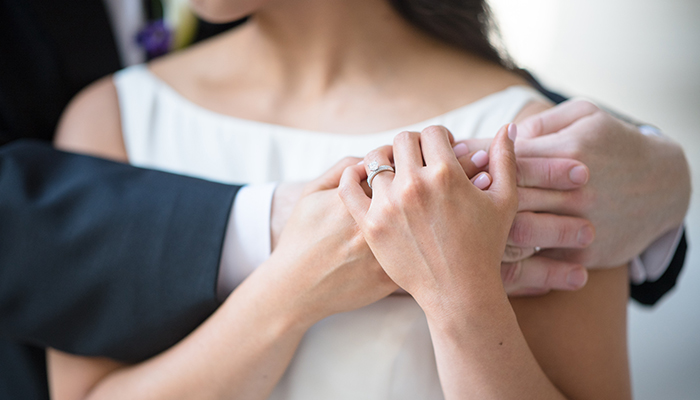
[(284, 199), (247, 241)]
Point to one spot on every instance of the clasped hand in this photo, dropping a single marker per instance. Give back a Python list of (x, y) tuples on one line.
[(434, 233)]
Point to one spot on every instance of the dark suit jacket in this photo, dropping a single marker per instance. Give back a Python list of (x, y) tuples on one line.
[(96, 258)]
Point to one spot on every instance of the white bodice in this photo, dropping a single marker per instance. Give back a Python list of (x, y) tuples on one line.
[(380, 352)]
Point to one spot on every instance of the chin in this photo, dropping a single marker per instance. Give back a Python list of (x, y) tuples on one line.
[(222, 11)]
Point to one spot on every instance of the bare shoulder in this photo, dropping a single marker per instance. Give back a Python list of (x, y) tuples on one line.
[(91, 123), (580, 338)]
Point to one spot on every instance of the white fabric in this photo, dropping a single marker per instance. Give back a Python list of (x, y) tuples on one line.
[(382, 351), (247, 240), (650, 265), (127, 18)]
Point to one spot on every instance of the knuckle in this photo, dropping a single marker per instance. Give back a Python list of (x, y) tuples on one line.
[(442, 174), (434, 130), (374, 228), (550, 174), (348, 160), (405, 137), (550, 279), (576, 148), (521, 232), (587, 106), (510, 273), (537, 124), (563, 236), (344, 191), (514, 253), (412, 190)]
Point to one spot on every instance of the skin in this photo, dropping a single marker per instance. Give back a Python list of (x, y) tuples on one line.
[(447, 255), (245, 346), (283, 82)]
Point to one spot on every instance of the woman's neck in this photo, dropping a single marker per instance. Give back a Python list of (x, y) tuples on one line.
[(332, 65), (312, 45)]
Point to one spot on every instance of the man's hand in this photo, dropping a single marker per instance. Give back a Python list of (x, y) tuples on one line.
[(522, 272), (639, 185)]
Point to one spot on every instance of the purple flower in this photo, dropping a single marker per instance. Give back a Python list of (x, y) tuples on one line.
[(155, 38)]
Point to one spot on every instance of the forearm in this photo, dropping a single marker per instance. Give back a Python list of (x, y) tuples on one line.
[(78, 231), (482, 353), (240, 352)]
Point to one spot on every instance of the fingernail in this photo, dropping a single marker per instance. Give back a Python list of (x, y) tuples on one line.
[(480, 159), (585, 236), (460, 150), (512, 132), (482, 181), (577, 278), (578, 175), (361, 162)]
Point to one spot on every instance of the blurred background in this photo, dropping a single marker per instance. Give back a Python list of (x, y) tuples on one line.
[(640, 57)]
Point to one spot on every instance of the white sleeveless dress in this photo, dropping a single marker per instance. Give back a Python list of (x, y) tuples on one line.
[(380, 352)]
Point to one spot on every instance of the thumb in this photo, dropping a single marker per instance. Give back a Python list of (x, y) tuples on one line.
[(331, 178), (503, 167), (557, 118)]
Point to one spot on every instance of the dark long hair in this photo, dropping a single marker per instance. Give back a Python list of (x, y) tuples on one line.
[(467, 24)]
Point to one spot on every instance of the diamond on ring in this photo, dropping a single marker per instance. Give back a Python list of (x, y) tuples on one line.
[(375, 170)]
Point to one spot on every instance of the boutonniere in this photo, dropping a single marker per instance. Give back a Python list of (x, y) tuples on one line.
[(172, 27)]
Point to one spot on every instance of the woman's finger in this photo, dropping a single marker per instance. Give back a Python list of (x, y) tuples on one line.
[(474, 162), (352, 194), (378, 158), (407, 153), (435, 145), (482, 180), (502, 165), (331, 178)]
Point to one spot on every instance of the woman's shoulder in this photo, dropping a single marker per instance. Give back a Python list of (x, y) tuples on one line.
[(91, 123)]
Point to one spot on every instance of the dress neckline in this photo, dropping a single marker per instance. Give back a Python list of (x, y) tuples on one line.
[(225, 118)]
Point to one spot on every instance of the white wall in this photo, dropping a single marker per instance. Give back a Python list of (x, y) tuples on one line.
[(641, 57)]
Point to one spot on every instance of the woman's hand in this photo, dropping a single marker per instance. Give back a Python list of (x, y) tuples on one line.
[(321, 266), (323, 256), (441, 239), (417, 225)]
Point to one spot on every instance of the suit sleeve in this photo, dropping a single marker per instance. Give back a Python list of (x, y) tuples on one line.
[(646, 293), (102, 258)]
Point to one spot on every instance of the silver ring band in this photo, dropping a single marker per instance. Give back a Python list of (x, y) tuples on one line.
[(374, 170)]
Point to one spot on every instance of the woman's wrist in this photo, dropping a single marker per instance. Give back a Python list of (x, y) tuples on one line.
[(272, 296), (471, 296)]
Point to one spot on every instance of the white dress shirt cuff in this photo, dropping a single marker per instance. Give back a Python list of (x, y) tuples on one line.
[(247, 241), (655, 260)]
